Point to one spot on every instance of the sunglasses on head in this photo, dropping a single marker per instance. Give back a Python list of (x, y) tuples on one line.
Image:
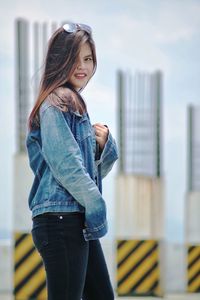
[(74, 27)]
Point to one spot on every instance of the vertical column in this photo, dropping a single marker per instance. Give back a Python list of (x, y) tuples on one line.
[(159, 91), (40, 39), (192, 234), (21, 170), (36, 58), (121, 116), (139, 186), (22, 80)]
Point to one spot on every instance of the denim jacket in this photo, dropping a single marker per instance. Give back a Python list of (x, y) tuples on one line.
[(67, 170)]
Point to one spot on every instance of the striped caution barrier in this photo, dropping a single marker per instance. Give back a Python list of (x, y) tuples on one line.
[(193, 269), (138, 271), (29, 274)]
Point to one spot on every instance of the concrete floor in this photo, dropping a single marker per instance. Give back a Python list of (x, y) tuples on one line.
[(6, 296)]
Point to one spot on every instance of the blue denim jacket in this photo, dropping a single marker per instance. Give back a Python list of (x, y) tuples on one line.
[(68, 174)]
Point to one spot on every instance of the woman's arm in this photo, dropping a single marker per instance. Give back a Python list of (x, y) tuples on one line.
[(107, 156)]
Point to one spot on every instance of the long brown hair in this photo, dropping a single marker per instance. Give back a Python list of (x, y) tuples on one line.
[(60, 62)]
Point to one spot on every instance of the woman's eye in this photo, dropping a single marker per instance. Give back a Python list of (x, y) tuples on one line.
[(88, 58)]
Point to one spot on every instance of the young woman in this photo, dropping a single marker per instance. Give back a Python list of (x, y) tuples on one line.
[(69, 157)]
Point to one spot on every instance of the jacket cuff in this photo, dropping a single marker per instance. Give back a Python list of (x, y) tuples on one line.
[(95, 233), (101, 154)]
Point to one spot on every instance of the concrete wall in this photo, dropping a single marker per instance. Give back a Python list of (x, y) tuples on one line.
[(6, 266), (21, 217), (175, 267), (139, 207), (22, 181), (109, 249), (192, 229)]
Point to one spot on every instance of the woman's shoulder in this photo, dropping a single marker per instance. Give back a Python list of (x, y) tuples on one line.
[(68, 99), (63, 98), (60, 98), (64, 92)]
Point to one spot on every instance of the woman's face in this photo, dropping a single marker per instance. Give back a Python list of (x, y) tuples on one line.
[(84, 68)]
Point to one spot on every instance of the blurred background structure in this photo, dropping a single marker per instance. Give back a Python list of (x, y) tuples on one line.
[(140, 123), (192, 234), (22, 80), (153, 43), (139, 186), (140, 147)]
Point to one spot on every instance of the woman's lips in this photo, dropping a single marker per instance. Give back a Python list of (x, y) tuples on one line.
[(80, 75)]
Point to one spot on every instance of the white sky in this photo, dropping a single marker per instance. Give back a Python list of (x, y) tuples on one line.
[(131, 35)]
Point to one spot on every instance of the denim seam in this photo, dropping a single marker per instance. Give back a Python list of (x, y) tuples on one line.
[(96, 228), (99, 161)]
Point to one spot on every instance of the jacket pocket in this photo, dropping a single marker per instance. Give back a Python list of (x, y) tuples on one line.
[(84, 128)]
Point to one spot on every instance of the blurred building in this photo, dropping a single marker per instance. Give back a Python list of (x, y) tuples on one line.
[(140, 126), (139, 185), (22, 90), (193, 179), (193, 138), (139, 181), (192, 224)]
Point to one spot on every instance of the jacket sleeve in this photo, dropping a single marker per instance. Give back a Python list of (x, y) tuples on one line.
[(108, 156), (63, 156)]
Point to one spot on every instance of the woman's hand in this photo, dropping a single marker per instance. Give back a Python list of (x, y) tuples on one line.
[(101, 132)]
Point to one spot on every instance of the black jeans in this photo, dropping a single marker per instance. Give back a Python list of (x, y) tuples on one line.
[(75, 268)]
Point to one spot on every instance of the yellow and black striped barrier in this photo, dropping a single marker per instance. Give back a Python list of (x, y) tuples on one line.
[(193, 269), (29, 274), (138, 271)]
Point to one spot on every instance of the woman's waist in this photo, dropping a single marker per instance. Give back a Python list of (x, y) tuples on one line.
[(60, 215), (56, 207), (53, 220)]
